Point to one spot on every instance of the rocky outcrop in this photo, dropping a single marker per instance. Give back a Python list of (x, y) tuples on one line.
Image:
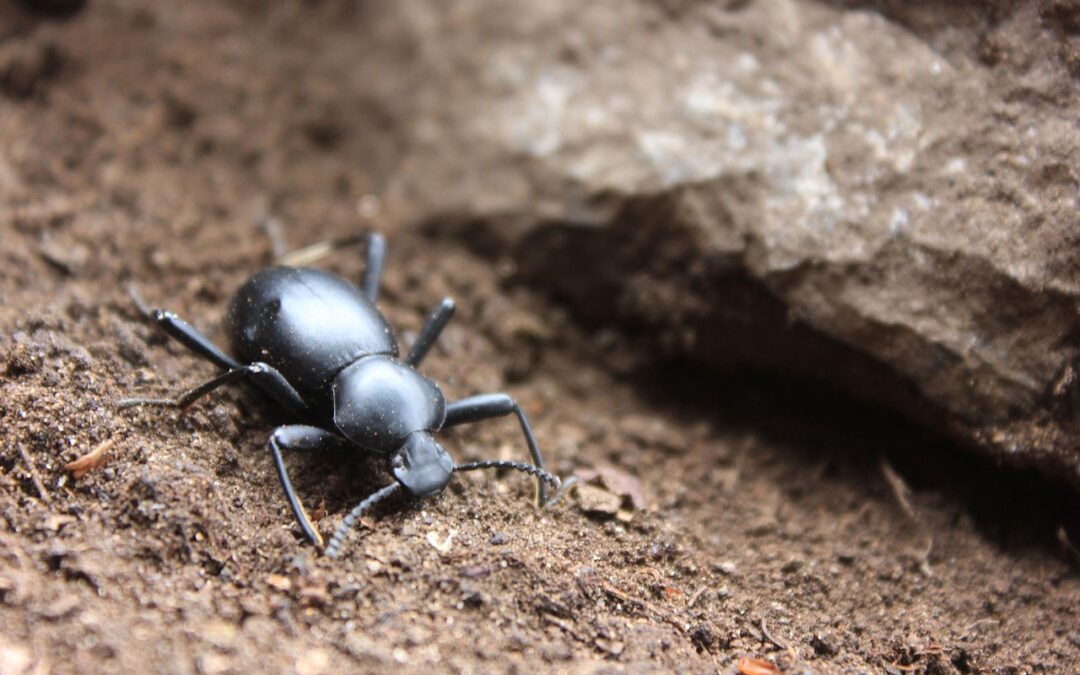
[(884, 195)]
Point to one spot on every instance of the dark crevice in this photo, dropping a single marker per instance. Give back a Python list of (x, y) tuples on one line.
[(1016, 508)]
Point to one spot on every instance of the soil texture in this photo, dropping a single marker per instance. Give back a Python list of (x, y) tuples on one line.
[(721, 515)]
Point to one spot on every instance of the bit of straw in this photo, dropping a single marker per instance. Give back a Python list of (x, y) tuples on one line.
[(315, 252), (91, 460)]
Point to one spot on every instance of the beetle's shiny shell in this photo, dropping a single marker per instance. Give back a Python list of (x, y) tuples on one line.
[(308, 324), (378, 402)]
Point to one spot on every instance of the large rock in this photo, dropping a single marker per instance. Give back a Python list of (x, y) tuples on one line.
[(886, 201)]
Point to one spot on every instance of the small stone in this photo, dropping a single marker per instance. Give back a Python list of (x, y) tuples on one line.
[(613, 647), (618, 482), (68, 259), (824, 644), (15, 659), (472, 599), (220, 634), (25, 65), (761, 526), (597, 501), (54, 521), (702, 637), (726, 567), (313, 662), (314, 596), (212, 663), (444, 544), (254, 606), (61, 607), (24, 359)]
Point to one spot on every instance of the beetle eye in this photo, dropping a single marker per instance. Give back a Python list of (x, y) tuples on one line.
[(398, 463)]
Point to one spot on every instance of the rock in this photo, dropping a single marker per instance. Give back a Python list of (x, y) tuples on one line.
[(597, 501), (887, 202), (17, 659), (617, 482)]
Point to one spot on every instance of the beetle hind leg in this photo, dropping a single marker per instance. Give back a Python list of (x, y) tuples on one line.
[(189, 336), (262, 375)]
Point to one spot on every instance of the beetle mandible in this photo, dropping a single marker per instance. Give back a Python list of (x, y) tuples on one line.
[(319, 347)]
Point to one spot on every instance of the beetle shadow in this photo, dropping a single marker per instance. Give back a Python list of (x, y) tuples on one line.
[(811, 422)]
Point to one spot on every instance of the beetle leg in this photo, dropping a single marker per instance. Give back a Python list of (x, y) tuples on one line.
[(373, 266), (187, 335), (376, 254), (433, 327), (487, 406), (298, 437), (271, 381), (262, 375)]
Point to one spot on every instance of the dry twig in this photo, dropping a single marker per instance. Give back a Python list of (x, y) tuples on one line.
[(695, 597), (771, 638), (32, 469)]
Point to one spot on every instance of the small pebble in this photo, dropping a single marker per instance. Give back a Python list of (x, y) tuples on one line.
[(727, 568)]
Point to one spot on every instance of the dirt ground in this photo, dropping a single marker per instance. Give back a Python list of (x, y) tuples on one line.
[(140, 143)]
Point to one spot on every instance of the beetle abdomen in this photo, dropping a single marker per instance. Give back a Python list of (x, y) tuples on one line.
[(306, 323)]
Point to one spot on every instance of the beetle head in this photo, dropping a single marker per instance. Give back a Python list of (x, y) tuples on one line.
[(421, 465)]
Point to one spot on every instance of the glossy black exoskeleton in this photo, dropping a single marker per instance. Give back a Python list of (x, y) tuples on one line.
[(318, 346)]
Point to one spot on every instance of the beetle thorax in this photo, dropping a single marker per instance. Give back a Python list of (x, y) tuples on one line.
[(379, 401)]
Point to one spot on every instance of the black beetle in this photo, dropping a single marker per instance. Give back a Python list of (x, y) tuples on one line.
[(319, 347)]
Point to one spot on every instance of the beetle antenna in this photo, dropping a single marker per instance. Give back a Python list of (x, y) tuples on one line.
[(333, 549), (530, 469)]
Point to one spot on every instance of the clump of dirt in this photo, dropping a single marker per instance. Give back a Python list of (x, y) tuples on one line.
[(731, 515)]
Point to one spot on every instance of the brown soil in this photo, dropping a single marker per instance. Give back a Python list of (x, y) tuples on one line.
[(141, 141)]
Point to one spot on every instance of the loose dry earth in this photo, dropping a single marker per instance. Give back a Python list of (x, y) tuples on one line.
[(140, 143)]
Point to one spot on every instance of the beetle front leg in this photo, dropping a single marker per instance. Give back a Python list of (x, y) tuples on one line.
[(298, 437), (487, 406)]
